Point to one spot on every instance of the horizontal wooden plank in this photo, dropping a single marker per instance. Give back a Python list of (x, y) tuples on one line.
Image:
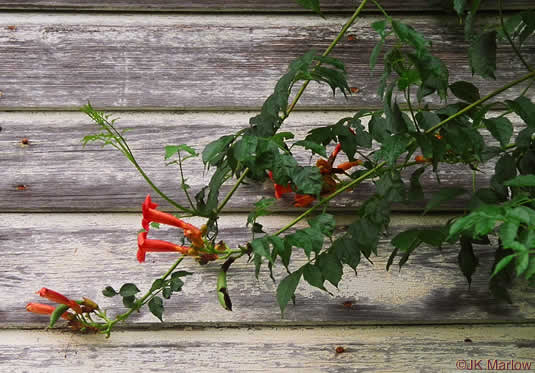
[(239, 5), (53, 172), (80, 254), (388, 349), (55, 60)]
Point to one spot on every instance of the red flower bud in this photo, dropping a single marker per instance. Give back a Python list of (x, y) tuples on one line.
[(46, 309), (56, 297), (90, 305)]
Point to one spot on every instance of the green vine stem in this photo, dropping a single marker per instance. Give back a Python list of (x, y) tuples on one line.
[(125, 149), (506, 33), (234, 188), (300, 93), (326, 53), (382, 164), (125, 315)]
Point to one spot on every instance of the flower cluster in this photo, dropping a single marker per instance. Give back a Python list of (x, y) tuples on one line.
[(328, 172), (150, 214), (85, 306)]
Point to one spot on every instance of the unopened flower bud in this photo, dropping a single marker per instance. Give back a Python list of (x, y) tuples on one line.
[(89, 304), (221, 247)]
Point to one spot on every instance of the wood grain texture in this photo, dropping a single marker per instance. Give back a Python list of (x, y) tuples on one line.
[(54, 60), (238, 5), (80, 254), (384, 349), (58, 174)]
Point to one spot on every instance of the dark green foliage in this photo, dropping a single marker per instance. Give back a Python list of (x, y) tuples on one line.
[(407, 125), (109, 292), (128, 290), (348, 132), (156, 307), (465, 91), (392, 148), (261, 209), (313, 275), (467, 259), (314, 147), (416, 191), (330, 267), (391, 187), (406, 242), (213, 153), (500, 128), (307, 179), (311, 239), (207, 206), (482, 53), (306, 67), (443, 195), (313, 5), (286, 288)]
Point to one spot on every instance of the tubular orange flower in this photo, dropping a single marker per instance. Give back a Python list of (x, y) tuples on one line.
[(347, 165), (324, 166), (56, 297), (303, 200), (279, 189), (421, 159), (145, 245), (150, 214), (46, 309), (327, 171)]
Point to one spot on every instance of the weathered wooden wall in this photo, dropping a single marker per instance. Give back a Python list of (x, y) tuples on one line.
[(58, 173), (255, 6), (60, 61), (187, 72)]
